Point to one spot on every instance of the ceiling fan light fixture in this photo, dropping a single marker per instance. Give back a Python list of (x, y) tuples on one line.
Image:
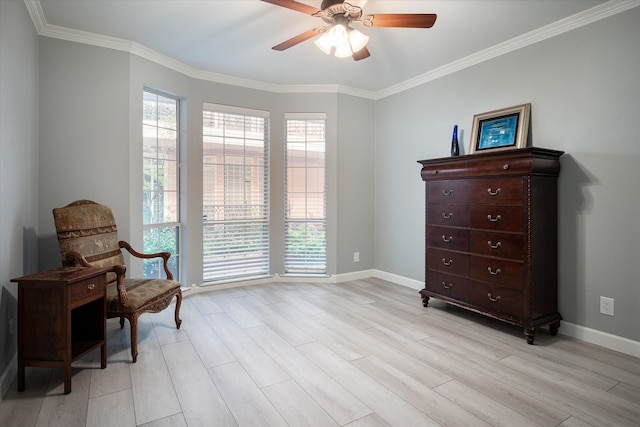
[(343, 50), (357, 40), (342, 41), (324, 44)]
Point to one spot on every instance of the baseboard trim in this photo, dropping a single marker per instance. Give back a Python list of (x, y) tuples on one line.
[(603, 339)]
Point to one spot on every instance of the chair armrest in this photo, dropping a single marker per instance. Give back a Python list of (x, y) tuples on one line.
[(75, 259), (164, 255)]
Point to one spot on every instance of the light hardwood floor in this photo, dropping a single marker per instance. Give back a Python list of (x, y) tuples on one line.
[(361, 353)]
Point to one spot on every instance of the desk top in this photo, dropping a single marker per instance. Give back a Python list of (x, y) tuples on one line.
[(62, 275)]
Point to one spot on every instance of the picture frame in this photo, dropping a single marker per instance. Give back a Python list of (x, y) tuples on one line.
[(503, 129)]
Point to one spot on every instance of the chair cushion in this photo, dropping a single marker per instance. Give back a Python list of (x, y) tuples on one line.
[(141, 292)]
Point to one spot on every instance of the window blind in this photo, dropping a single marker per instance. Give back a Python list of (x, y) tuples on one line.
[(305, 194), (235, 193)]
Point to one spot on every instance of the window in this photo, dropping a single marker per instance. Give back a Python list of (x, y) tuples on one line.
[(235, 216), (161, 195), (305, 194)]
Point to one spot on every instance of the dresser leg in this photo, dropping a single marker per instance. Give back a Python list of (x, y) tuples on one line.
[(530, 333), (425, 300), (553, 328)]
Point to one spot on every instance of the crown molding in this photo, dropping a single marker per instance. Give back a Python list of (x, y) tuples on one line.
[(604, 10), (562, 26)]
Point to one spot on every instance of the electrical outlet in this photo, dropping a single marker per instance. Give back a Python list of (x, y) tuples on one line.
[(606, 306), (356, 257)]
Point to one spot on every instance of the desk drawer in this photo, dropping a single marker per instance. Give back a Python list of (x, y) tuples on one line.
[(87, 290)]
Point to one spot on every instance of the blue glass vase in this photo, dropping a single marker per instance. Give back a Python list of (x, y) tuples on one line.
[(455, 147)]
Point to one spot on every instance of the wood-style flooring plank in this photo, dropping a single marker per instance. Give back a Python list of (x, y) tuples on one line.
[(386, 404), (194, 387), (341, 405), (260, 366), (296, 406)]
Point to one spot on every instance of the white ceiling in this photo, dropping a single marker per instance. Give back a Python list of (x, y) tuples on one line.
[(234, 37)]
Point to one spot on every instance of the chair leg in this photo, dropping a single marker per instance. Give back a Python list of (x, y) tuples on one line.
[(133, 322), (177, 314)]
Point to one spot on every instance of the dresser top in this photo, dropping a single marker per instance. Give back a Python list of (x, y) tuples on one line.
[(523, 161)]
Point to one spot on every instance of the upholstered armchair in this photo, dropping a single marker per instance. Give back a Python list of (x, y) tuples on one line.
[(87, 236)]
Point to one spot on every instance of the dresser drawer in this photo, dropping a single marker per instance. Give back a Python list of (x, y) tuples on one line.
[(87, 290), (446, 285), (503, 245), (446, 261), (448, 191), (453, 215), (498, 271), (496, 299), (448, 238), (496, 191), (503, 218)]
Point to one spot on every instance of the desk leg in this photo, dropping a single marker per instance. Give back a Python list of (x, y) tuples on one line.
[(67, 378), (103, 355), (20, 376)]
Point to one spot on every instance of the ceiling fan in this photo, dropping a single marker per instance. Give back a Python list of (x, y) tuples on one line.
[(338, 37)]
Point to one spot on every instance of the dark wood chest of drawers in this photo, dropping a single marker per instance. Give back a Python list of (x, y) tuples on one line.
[(491, 235)]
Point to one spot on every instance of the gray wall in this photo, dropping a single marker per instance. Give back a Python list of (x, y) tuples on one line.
[(90, 136), (18, 168), (585, 96)]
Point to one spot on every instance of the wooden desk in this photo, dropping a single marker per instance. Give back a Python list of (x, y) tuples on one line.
[(61, 318)]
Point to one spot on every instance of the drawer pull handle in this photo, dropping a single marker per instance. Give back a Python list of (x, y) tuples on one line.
[(447, 239), (492, 219), (449, 286), (91, 286), (493, 193), (447, 215), (506, 167), (496, 299), (447, 192), (447, 263), (494, 273), (494, 245)]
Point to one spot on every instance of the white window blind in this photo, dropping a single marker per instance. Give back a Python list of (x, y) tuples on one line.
[(235, 195), (305, 194)]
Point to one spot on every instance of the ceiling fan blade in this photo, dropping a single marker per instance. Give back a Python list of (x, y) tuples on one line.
[(294, 5), (361, 54), (404, 20), (299, 38)]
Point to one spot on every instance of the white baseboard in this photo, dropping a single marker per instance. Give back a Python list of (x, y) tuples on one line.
[(603, 339)]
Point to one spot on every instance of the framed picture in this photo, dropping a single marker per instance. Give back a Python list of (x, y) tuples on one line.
[(500, 129)]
